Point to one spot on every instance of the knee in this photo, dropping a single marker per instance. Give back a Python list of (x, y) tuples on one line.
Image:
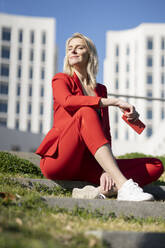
[(86, 111), (158, 165)]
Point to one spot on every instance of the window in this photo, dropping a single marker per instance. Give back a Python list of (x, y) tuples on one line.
[(15, 148), (6, 34), (117, 67), (30, 90), (117, 50), (3, 88), (116, 84), (149, 94), (5, 70), (149, 43), (3, 106), (30, 73), (162, 78), (149, 78), (149, 131), (17, 107), (162, 94), (127, 50), (149, 61), (162, 61), (32, 37), (18, 89), (42, 91), (20, 36), (29, 108), (19, 71), (29, 126), (5, 52), (31, 55), (126, 135), (162, 113), (17, 124), (43, 56), (43, 38), (3, 122), (163, 43), (127, 84), (127, 67), (41, 109), (42, 73), (116, 134), (149, 114), (19, 53), (116, 117), (40, 127)]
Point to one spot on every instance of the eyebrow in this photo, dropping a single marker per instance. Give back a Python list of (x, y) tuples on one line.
[(77, 45)]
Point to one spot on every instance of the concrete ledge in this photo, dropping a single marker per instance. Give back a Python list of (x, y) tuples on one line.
[(29, 182), (118, 208), (130, 239), (156, 190), (32, 157)]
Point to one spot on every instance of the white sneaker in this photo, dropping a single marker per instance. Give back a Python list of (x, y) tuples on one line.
[(130, 191), (88, 192)]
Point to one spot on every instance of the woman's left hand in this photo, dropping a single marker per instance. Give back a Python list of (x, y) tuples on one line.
[(106, 182)]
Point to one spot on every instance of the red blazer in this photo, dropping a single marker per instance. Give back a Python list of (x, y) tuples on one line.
[(68, 98)]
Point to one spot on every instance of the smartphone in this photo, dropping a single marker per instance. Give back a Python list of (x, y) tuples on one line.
[(137, 125)]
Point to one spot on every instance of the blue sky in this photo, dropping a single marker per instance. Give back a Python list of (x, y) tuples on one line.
[(90, 17)]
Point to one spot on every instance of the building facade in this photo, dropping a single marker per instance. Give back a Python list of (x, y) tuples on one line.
[(135, 66), (27, 64)]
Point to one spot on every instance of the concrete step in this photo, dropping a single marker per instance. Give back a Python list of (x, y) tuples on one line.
[(130, 239), (156, 190), (118, 208)]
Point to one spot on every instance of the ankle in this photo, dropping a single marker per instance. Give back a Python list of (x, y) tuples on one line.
[(120, 184)]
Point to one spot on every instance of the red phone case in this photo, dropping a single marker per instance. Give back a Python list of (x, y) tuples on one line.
[(137, 125)]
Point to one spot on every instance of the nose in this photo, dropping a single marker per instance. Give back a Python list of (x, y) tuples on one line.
[(74, 50)]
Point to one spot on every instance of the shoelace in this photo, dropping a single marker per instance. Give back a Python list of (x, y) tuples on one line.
[(100, 196), (136, 187)]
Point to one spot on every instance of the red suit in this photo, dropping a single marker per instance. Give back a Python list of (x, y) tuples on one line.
[(80, 127)]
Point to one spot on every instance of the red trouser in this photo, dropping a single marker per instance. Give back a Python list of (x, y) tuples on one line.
[(77, 145)]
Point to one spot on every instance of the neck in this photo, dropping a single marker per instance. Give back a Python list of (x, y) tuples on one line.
[(82, 74)]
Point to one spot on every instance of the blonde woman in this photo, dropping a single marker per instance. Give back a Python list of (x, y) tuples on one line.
[(78, 147)]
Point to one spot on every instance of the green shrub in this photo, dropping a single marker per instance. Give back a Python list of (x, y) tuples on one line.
[(10, 163)]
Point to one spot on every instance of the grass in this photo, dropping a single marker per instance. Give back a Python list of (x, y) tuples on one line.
[(26, 221)]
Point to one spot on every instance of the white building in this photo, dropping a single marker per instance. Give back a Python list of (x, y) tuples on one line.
[(135, 65), (27, 64)]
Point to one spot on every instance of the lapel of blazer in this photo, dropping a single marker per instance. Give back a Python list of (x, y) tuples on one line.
[(77, 82)]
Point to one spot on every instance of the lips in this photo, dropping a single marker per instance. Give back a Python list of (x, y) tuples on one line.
[(72, 57)]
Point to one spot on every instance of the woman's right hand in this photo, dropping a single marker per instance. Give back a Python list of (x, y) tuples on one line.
[(128, 110)]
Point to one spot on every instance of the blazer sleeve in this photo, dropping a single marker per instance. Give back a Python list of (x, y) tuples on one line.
[(64, 95), (106, 117)]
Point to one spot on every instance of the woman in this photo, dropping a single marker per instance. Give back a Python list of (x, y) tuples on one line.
[(78, 147)]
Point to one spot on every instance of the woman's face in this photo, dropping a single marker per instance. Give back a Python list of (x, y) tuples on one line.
[(77, 53)]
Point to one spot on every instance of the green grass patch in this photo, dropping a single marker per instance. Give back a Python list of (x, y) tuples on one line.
[(11, 164), (26, 221)]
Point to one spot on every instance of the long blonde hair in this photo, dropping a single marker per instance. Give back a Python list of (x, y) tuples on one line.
[(92, 66)]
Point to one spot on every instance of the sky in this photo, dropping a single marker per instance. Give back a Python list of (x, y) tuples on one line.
[(92, 18)]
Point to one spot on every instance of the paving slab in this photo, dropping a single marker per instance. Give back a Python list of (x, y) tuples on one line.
[(110, 206), (130, 239)]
